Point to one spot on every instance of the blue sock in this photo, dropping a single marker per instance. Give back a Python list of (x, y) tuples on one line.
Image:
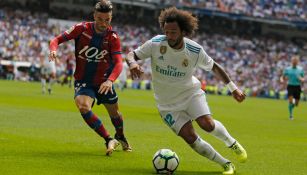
[(95, 123)]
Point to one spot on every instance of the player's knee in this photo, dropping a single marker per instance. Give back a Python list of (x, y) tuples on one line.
[(210, 126), (116, 115), (206, 123), (83, 108)]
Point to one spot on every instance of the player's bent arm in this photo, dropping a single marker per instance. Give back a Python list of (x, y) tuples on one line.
[(302, 79), (282, 78), (221, 73), (131, 58), (118, 67), (134, 67)]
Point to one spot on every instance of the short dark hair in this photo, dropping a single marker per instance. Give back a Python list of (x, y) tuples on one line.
[(186, 21), (103, 6)]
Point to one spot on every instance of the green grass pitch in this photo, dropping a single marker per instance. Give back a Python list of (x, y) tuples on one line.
[(45, 134)]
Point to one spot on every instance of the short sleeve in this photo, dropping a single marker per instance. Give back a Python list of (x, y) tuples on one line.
[(115, 44), (205, 61), (144, 51), (74, 31)]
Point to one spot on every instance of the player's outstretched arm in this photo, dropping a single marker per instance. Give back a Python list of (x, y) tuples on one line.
[(52, 56), (135, 68), (54, 43), (221, 73)]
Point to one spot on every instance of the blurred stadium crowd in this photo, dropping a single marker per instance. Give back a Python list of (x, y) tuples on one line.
[(254, 61), (281, 9)]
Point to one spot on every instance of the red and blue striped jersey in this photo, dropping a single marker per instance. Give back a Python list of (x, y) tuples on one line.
[(98, 55)]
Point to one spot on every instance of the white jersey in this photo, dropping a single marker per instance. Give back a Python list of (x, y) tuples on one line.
[(172, 70), (123, 75), (47, 67)]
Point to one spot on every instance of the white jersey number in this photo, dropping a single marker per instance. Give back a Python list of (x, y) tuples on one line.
[(93, 52)]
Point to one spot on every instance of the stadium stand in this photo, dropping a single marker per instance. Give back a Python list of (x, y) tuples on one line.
[(251, 51)]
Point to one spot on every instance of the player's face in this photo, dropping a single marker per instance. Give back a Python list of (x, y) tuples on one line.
[(102, 20), (294, 62), (174, 35)]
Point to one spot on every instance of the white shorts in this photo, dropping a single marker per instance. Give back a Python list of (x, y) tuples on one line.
[(196, 107), (48, 69)]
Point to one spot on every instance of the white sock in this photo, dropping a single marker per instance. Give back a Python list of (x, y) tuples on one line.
[(51, 81), (205, 149), (43, 81), (221, 133)]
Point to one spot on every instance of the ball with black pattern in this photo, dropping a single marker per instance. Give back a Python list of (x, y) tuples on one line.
[(165, 161)]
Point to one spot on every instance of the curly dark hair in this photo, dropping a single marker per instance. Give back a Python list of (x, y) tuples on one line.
[(104, 6), (186, 21)]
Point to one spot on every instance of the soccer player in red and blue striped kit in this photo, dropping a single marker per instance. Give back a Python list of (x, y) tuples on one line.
[(98, 64)]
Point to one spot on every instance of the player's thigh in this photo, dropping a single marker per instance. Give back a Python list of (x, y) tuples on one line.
[(53, 75), (290, 91), (109, 98), (175, 119), (84, 103), (297, 93), (199, 111), (84, 96), (198, 106)]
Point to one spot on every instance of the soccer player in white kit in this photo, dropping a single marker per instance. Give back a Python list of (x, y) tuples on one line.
[(48, 70), (123, 77), (174, 59)]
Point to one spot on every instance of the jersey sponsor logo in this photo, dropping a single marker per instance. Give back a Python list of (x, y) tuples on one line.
[(170, 71), (163, 49), (79, 86), (92, 54), (185, 63)]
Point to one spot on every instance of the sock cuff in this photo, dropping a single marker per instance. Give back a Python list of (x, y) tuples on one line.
[(87, 115), (195, 143)]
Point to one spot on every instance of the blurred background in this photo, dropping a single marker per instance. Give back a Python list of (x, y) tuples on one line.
[(253, 39)]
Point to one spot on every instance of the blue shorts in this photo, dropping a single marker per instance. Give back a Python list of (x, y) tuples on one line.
[(92, 91), (69, 72)]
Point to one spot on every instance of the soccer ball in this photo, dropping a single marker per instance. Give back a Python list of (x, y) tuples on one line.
[(165, 161)]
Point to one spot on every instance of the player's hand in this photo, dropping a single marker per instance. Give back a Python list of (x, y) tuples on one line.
[(136, 71), (301, 79), (52, 56), (105, 87), (238, 95)]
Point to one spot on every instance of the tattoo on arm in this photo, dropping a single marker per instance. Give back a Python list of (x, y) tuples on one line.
[(221, 73)]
